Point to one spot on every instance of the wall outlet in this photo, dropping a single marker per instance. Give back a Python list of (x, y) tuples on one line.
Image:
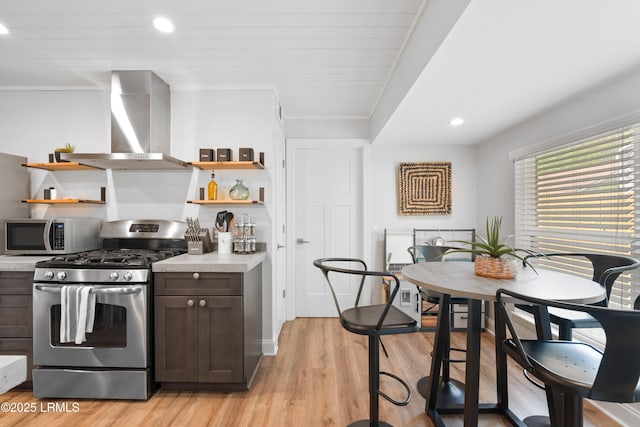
[(405, 297)]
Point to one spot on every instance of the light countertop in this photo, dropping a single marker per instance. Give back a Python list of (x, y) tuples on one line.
[(211, 262), (21, 262)]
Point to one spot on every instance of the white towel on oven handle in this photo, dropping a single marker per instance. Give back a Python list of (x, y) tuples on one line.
[(77, 313), (86, 313), (67, 300)]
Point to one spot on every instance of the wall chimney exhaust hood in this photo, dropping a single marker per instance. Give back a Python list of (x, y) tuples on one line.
[(140, 125)]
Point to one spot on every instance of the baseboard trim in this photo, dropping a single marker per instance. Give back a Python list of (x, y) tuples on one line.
[(269, 347)]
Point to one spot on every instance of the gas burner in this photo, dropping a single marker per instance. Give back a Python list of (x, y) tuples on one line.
[(103, 258)]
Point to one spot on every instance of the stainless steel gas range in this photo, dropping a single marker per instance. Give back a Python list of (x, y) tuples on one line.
[(93, 314)]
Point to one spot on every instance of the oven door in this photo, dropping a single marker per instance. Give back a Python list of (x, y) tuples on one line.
[(119, 337)]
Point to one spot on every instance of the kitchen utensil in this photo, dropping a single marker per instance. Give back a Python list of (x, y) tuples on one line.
[(228, 217), (220, 221)]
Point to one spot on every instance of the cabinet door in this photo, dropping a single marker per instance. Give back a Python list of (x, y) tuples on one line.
[(221, 352), (16, 282), (16, 318), (176, 324)]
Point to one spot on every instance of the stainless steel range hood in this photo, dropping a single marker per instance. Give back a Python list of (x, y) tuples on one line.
[(140, 125)]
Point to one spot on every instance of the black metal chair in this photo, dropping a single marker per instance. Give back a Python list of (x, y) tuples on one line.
[(577, 370), (373, 321), (606, 269)]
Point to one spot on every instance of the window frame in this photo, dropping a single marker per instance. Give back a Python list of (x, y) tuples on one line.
[(527, 207)]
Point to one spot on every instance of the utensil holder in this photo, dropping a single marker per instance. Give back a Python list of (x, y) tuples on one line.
[(225, 243)]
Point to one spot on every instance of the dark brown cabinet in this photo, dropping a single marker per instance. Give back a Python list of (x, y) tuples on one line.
[(16, 316), (208, 329)]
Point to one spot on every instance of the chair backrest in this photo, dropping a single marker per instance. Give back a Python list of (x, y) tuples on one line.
[(428, 253), (336, 266), (606, 268), (619, 371)]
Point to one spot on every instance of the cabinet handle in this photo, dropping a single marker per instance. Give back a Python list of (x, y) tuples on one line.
[(202, 303), (191, 303), (196, 276)]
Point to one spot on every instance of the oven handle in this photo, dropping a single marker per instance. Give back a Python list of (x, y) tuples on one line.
[(120, 291)]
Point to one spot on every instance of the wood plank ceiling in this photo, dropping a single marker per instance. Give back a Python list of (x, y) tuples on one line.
[(328, 58)]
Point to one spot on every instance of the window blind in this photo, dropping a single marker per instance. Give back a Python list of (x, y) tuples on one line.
[(581, 197)]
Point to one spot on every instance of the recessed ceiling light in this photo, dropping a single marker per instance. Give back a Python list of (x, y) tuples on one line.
[(163, 24), (456, 121), (3, 29)]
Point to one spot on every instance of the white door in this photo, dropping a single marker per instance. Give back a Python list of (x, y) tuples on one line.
[(328, 222)]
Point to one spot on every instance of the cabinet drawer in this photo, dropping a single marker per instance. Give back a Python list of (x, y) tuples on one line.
[(19, 347), (198, 283), (16, 316), (16, 282)]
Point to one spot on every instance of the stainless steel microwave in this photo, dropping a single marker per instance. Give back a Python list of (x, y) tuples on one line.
[(51, 236)]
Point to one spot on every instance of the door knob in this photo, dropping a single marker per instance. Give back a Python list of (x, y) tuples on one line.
[(301, 240)]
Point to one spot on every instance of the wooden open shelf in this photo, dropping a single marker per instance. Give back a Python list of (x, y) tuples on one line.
[(65, 201), (60, 166), (226, 202), (227, 165)]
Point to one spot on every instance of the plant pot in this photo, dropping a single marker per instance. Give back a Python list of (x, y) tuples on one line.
[(496, 268)]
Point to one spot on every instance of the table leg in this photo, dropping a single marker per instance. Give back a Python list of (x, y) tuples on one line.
[(439, 347), (502, 390)]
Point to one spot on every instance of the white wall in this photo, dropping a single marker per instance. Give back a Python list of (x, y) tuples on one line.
[(383, 188), (34, 123)]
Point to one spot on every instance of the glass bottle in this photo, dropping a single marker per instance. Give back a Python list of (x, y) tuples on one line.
[(239, 191), (212, 189)]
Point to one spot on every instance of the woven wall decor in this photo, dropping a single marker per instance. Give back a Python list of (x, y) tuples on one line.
[(425, 188)]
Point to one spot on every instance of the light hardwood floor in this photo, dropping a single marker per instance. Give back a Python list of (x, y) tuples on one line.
[(318, 378)]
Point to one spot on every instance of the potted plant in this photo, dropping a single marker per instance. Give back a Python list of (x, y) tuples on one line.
[(68, 148), (494, 258)]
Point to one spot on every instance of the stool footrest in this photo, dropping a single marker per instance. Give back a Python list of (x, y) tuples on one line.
[(406, 401)]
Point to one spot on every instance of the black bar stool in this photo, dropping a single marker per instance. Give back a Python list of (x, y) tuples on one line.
[(371, 320)]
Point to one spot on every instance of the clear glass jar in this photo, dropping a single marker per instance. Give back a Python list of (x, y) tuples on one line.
[(239, 191)]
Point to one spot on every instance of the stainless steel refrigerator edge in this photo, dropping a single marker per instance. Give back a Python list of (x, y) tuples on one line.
[(16, 184)]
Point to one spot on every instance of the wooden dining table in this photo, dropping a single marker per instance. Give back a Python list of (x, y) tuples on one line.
[(458, 279)]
